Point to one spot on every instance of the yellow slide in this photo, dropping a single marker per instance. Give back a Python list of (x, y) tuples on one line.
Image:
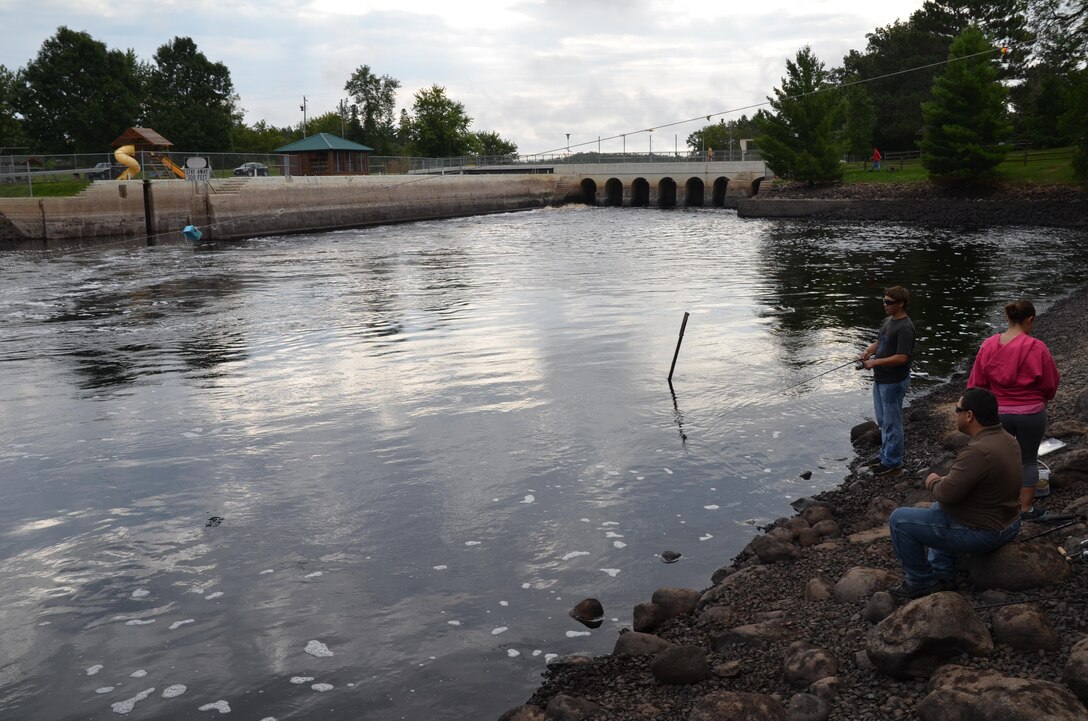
[(172, 166), (124, 156)]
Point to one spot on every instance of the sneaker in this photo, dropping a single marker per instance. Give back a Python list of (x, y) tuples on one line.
[(908, 591), (1034, 514), (882, 470), (874, 461)]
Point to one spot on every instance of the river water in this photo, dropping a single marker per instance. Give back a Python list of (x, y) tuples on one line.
[(417, 446)]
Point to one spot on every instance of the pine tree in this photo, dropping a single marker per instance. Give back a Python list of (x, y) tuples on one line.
[(966, 121)]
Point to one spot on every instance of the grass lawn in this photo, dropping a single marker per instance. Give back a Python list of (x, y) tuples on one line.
[(1053, 166), (44, 188)]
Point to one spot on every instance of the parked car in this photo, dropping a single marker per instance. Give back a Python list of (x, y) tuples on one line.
[(105, 171), (251, 169)]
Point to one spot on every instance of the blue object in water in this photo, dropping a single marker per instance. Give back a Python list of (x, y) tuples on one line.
[(192, 232)]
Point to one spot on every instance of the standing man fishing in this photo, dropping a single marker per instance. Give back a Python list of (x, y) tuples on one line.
[(890, 357)]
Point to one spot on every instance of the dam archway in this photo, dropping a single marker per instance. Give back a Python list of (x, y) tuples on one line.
[(589, 191), (666, 193), (640, 193), (613, 192), (721, 185), (693, 193)]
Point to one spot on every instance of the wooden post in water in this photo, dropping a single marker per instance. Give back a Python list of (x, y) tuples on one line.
[(149, 213), (679, 340)]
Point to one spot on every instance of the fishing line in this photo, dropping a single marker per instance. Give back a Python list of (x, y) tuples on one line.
[(802, 382)]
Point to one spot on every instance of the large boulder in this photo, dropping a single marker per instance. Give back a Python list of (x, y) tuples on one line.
[(1019, 567), (912, 641), (727, 706), (721, 591), (570, 708), (808, 707), (818, 589), (674, 602), (859, 583), (1082, 406), (773, 550), (645, 617), (634, 643), (958, 693), (804, 664), (1068, 468), (752, 634), (1024, 627), (865, 435), (1076, 670), (680, 665), (527, 712)]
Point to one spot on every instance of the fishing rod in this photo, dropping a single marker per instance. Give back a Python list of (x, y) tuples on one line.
[(853, 362)]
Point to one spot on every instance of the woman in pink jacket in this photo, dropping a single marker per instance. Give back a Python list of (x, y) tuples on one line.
[(1020, 371)]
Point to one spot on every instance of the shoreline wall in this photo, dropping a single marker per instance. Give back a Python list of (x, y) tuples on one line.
[(233, 209), (1062, 213)]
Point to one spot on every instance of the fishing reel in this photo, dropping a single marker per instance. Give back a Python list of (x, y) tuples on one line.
[(859, 365)]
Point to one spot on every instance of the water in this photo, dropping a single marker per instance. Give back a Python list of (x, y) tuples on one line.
[(416, 447)]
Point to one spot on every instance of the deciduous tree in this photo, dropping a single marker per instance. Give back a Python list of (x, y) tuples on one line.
[(800, 140), (189, 99), (76, 95), (490, 143), (375, 98), (966, 121), (11, 125), (439, 125)]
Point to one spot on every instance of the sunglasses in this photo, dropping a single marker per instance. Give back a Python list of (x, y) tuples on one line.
[(890, 302)]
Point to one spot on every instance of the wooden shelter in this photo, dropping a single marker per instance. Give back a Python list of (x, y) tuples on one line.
[(144, 139), (325, 154)]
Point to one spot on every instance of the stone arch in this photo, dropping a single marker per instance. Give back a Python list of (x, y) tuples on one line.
[(640, 193), (693, 193), (613, 192), (721, 185), (589, 191), (755, 185), (666, 193)]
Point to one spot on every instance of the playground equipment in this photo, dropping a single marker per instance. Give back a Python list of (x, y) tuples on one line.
[(124, 156), (169, 164)]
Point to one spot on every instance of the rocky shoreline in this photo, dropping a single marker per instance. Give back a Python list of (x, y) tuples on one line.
[(799, 626), (923, 202)]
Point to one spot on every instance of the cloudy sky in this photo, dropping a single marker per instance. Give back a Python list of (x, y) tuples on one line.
[(532, 70)]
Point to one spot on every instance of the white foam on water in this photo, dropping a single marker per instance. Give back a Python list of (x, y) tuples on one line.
[(315, 574), (45, 623), (213, 596), (537, 652), (500, 629), (611, 523), (104, 689), (301, 679), (178, 624), (138, 674), (442, 567), (127, 705), (140, 593), (504, 603), (711, 507), (322, 687), (473, 543), (550, 656), (454, 623), (140, 622), (576, 634), (269, 718), (619, 544), (613, 572), (707, 537), (267, 570), (513, 652), (526, 585), (667, 471), (528, 498), (767, 470), (316, 648), (220, 706), (95, 669), (613, 534), (174, 691), (640, 478), (573, 554)]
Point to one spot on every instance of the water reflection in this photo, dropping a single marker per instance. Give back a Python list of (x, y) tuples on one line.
[(426, 442)]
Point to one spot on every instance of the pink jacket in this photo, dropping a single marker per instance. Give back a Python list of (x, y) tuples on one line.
[(1020, 373)]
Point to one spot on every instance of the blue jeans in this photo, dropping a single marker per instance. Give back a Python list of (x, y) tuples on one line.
[(916, 529), (888, 405)]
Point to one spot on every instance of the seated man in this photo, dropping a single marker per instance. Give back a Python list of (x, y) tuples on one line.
[(977, 508)]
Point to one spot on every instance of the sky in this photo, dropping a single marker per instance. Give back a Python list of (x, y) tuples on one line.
[(530, 70)]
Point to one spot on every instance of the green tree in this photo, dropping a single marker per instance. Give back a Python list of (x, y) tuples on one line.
[(331, 122), (261, 137), (11, 125), (189, 99), (375, 98), (800, 140), (76, 95), (1062, 30), (966, 121), (490, 143), (1040, 102), (1073, 124), (722, 136), (439, 126)]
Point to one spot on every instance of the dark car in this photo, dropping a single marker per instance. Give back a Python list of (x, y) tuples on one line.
[(105, 171), (251, 169)]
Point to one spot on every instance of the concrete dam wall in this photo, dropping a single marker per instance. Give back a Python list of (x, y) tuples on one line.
[(247, 207)]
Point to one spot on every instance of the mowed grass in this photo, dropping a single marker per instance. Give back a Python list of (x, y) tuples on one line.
[(1052, 166), (44, 188)]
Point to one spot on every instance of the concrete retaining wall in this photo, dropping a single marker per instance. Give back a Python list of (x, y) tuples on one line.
[(1062, 213), (248, 207)]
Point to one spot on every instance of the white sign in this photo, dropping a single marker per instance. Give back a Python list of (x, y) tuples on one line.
[(198, 175)]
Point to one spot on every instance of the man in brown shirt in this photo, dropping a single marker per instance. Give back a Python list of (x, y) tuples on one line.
[(977, 508)]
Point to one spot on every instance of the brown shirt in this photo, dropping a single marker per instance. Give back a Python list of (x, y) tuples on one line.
[(982, 490)]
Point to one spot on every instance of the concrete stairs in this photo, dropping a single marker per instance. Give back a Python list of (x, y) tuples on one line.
[(228, 186)]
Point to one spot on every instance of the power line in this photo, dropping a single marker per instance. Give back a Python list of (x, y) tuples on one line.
[(1001, 50)]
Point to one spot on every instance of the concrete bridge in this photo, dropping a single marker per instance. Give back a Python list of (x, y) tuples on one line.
[(641, 184)]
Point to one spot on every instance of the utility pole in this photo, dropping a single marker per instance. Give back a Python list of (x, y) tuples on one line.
[(343, 112), (303, 109)]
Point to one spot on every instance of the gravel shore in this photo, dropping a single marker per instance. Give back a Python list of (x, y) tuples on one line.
[(625, 688)]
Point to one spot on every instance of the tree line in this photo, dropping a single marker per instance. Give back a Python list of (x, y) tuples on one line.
[(77, 96), (962, 81)]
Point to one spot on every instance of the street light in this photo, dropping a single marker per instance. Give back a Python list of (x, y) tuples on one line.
[(568, 143), (651, 143)]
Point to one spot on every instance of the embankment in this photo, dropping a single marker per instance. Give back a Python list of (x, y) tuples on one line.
[(247, 207), (785, 630)]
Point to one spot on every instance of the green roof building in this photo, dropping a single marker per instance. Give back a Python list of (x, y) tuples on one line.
[(326, 154)]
